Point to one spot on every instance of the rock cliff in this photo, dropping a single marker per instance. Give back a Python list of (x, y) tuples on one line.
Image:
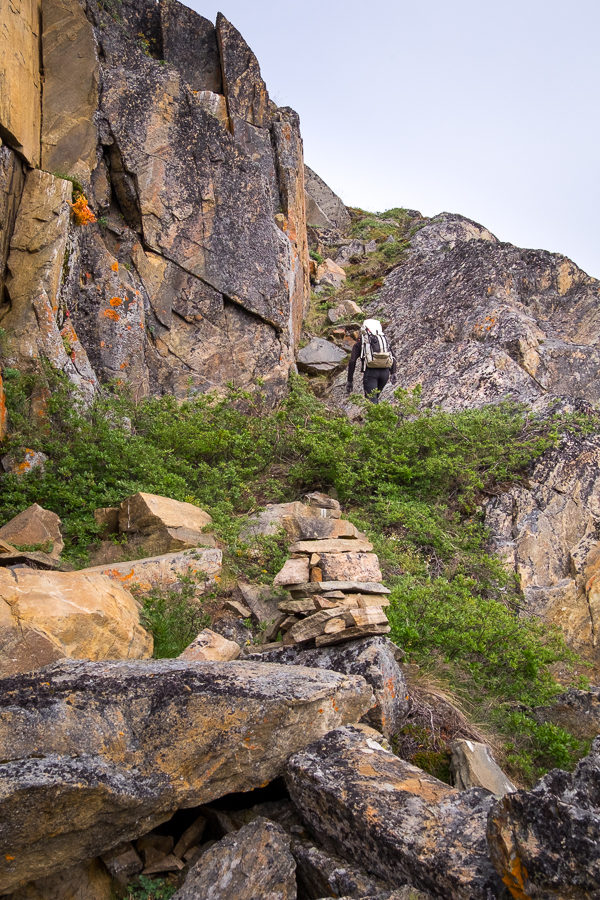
[(195, 271)]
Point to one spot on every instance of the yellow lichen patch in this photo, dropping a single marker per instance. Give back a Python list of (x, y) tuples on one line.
[(111, 314), (115, 301), (515, 879), (115, 266), (81, 211)]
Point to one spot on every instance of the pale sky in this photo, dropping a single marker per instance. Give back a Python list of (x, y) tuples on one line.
[(486, 109)]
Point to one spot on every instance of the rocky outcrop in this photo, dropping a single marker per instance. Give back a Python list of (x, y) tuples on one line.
[(545, 843), (324, 208), (196, 272), (545, 531), (124, 744), (320, 357), (156, 525), (254, 862), (46, 616), (20, 106), (400, 823), (473, 765), (475, 320)]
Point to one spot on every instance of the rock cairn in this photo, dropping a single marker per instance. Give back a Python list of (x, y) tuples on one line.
[(334, 581)]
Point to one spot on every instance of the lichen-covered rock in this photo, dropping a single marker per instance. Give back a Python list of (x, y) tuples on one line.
[(46, 616), (321, 874), (253, 862), (358, 566), (320, 356), (479, 321), (391, 817), (545, 843), (203, 565), (97, 753), (546, 533), (373, 658)]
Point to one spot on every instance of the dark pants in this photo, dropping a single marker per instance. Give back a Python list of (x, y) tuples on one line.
[(374, 381)]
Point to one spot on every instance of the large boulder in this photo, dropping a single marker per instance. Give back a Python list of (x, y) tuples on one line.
[(159, 525), (391, 817), (46, 616), (98, 753), (473, 765), (320, 356), (253, 862), (545, 843), (35, 528), (373, 658)]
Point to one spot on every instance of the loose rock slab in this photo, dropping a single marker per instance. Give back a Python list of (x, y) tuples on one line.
[(164, 570), (250, 863), (161, 524), (125, 744), (35, 526), (399, 822)]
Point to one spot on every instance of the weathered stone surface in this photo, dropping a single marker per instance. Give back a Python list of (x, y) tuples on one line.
[(325, 202), (327, 587), (201, 564), (319, 356), (294, 571), (70, 96), (400, 823), (546, 532), (322, 501), (35, 526), (473, 765), (123, 862), (360, 566), (254, 862), (12, 179), (300, 522), (125, 744), (89, 881), (261, 600), (345, 308), (50, 615), (210, 645), (246, 92), (321, 874), (35, 271), (351, 633), (107, 518), (159, 524), (374, 659), (331, 545), (22, 463), (479, 321), (348, 251), (190, 44), (20, 98), (576, 710), (545, 842)]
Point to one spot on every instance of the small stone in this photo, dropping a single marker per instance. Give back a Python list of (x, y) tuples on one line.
[(316, 574), (238, 608), (122, 862), (338, 545), (293, 571), (210, 645)]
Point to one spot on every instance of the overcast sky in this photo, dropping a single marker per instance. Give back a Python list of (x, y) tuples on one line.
[(486, 109)]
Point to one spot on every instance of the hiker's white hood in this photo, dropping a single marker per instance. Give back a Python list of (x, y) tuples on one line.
[(373, 326)]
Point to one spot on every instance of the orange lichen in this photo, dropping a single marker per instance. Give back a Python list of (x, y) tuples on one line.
[(81, 211), (111, 314), (115, 266), (115, 301)]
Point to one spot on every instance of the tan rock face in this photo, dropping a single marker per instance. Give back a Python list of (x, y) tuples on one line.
[(204, 565), (360, 567), (89, 881), (244, 87), (37, 528), (70, 93), (125, 744), (161, 525), (12, 178), (294, 571), (50, 615), (20, 98), (474, 766), (210, 645)]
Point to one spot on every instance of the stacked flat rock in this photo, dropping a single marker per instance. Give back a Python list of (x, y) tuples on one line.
[(334, 580)]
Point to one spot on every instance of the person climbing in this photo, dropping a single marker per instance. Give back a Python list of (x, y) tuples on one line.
[(377, 358)]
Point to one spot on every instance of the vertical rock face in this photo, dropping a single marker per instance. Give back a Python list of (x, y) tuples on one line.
[(196, 273), (20, 81)]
